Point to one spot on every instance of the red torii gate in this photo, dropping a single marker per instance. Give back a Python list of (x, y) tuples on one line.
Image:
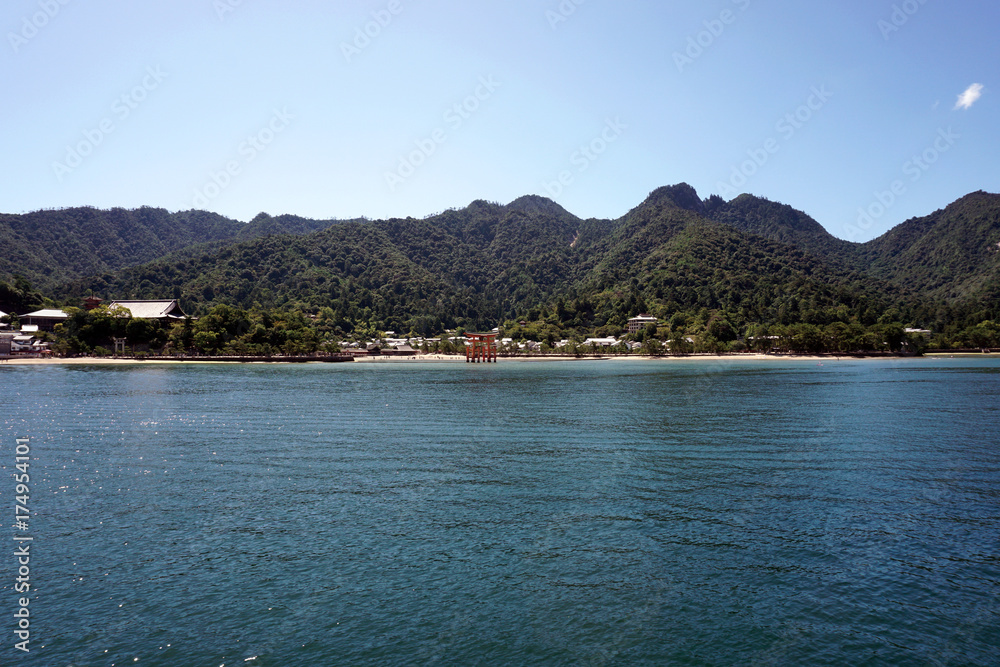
[(481, 347)]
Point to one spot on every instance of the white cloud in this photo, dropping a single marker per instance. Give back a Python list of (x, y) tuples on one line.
[(969, 97)]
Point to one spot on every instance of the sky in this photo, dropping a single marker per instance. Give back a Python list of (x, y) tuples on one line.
[(863, 114)]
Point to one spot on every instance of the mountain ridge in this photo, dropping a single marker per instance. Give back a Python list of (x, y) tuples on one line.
[(753, 258)]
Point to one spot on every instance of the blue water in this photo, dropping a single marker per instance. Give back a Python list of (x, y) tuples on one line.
[(598, 512)]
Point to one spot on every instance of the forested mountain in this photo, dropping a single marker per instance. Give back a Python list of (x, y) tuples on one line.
[(749, 261), (954, 253), (52, 247), (470, 266), (780, 222)]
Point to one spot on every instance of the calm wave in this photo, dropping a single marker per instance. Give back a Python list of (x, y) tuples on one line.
[(622, 512)]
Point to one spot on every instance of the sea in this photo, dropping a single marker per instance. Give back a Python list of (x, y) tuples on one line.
[(596, 512)]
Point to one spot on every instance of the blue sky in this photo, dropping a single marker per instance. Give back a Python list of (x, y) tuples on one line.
[(394, 108)]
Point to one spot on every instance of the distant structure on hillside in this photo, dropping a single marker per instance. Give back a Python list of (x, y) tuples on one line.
[(162, 311), (638, 323)]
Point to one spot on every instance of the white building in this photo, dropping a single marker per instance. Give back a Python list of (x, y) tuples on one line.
[(610, 341), (638, 323)]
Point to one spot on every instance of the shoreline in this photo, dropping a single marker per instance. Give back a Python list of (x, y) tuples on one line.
[(453, 358)]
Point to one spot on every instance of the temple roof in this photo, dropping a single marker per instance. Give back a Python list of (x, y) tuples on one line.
[(167, 309)]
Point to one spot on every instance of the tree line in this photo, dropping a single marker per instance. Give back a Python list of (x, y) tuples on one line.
[(229, 330)]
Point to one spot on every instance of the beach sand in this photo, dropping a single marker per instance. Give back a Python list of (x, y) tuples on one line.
[(457, 358)]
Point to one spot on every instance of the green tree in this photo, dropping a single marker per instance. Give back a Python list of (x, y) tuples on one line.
[(710, 344), (837, 335), (679, 344), (206, 342), (145, 331), (18, 296), (807, 338), (890, 335), (719, 328), (652, 347)]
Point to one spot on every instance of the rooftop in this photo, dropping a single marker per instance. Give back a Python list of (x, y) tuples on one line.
[(48, 312), (153, 310)]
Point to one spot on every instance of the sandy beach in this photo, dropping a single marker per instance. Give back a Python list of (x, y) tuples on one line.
[(454, 358)]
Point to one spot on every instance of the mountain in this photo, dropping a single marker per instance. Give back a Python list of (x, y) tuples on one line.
[(664, 256), (52, 247), (750, 260), (953, 253), (472, 265), (263, 225), (780, 222)]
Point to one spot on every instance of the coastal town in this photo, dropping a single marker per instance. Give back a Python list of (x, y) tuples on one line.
[(160, 329), (31, 335)]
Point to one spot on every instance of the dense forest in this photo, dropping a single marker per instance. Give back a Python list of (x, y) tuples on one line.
[(52, 247), (743, 274)]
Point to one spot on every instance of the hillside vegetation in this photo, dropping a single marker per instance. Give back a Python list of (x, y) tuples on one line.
[(748, 263), (52, 247)]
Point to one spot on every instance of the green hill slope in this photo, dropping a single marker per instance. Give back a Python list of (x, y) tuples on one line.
[(470, 266), (780, 222), (53, 247), (953, 253), (486, 263), (752, 260), (664, 257)]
